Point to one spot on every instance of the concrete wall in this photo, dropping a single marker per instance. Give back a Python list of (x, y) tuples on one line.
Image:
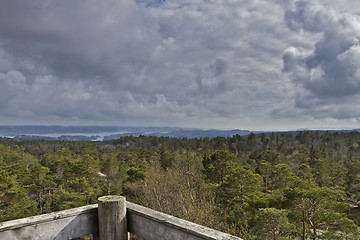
[(73, 223), (68, 224), (152, 225)]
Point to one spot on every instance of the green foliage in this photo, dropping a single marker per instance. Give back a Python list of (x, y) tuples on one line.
[(14, 201), (272, 223), (272, 186), (237, 185), (217, 165), (317, 209), (134, 175), (166, 158)]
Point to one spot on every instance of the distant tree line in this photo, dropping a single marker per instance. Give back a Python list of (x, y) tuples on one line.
[(257, 187)]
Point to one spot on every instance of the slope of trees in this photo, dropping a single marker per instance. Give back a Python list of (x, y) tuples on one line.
[(256, 187)]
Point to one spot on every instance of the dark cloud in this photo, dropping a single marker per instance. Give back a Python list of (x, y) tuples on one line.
[(331, 69), (185, 63), (328, 74), (77, 39)]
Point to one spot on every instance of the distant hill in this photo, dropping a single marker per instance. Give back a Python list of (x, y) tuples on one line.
[(60, 138), (13, 130), (99, 133), (186, 133)]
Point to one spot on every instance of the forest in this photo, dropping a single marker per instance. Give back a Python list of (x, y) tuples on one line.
[(267, 186)]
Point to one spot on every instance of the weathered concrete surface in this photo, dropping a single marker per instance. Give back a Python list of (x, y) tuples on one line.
[(153, 225), (73, 223), (112, 218), (68, 224)]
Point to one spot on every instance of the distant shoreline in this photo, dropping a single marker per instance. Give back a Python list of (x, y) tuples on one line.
[(103, 133)]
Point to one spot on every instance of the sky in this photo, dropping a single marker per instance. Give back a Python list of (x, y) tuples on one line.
[(223, 64)]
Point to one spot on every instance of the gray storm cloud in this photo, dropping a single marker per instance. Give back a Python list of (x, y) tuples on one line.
[(105, 60), (182, 63), (332, 69)]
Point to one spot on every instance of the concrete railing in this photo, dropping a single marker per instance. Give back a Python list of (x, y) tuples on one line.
[(107, 220)]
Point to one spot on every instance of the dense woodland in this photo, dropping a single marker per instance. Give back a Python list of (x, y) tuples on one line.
[(257, 187)]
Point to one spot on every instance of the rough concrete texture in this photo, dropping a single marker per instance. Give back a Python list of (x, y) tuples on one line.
[(141, 221)]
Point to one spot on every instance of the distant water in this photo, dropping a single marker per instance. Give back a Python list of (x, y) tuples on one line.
[(99, 136), (101, 133), (94, 132)]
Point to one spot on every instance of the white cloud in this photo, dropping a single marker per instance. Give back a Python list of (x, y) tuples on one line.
[(186, 63), (13, 84), (327, 77)]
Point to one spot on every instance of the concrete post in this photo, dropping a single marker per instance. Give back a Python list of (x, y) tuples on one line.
[(112, 218)]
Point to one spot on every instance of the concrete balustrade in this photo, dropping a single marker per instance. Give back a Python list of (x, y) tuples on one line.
[(112, 218)]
